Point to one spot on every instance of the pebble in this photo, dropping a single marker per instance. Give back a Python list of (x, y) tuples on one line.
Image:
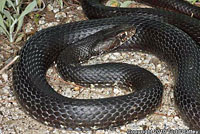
[(79, 8), (55, 10), (5, 77), (6, 89), (28, 28), (60, 15), (49, 7), (42, 21), (116, 91), (176, 118)]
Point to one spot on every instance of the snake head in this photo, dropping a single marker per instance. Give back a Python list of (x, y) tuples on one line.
[(96, 44), (111, 38)]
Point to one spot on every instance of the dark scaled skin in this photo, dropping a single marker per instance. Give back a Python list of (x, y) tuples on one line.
[(153, 35), (95, 10), (175, 5), (189, 110)]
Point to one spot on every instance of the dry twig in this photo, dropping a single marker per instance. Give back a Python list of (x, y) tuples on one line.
[(9, 64)]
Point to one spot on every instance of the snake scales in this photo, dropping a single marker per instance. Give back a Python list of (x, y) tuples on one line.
[(173, 37)]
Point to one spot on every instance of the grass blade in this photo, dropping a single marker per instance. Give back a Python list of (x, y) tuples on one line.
[(2, 5), (2, 25)]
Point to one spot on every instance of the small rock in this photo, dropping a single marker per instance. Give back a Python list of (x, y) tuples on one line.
[(176, 118), (6, 89), (100, 132), (79, 8), (28, 27), (5, 77), (41, 22), (55, 10), (50, 70), (116, 91), (60, 15), (49, 7)]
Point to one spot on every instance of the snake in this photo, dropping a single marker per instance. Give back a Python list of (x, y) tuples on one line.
[(172, 35)]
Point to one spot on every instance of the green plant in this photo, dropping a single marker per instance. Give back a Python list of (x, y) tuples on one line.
[(12, 17), (60, 2), (193, 1)]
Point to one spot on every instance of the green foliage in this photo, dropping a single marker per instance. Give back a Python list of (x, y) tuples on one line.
[(12, 17), (193, 1), (37, 18), (60, 2)]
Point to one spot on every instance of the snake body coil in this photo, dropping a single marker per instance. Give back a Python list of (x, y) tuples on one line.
[(179, 48)]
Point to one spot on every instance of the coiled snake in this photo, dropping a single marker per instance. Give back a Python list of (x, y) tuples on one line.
[(173, 37)]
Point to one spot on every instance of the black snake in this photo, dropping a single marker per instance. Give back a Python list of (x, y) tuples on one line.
[(157, 32)]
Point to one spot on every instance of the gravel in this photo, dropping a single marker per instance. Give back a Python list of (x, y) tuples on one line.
[(14, 120)]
